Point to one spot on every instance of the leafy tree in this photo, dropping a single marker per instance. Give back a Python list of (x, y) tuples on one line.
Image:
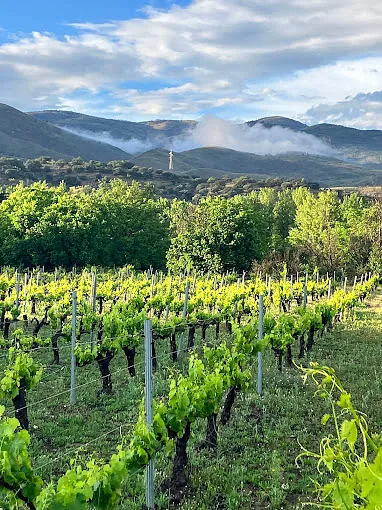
[(217, 234), (319, 233)]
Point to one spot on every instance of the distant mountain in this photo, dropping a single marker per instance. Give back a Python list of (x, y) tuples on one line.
[(284, 122), (23, 136), (345, 137), (218, 162), (118, 129), (339, 136), (53, 133)]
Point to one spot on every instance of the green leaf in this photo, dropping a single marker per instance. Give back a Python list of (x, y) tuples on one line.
[(349, 433), (325, 419)]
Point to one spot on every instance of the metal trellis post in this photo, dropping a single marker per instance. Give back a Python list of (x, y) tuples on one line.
[(73, 357), (186, 293), (149, 408), (93, 304), (260, 354)]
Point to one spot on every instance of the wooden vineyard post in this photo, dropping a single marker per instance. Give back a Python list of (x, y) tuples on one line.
[(149, 409), (355, 282), (329, 288), (73, 356), (260, 354), (186, 294), (345, 283)]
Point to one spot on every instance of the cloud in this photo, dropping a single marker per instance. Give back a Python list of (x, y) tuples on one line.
[(212, 131), (246, 45), (132, 146), (326, 84), (363, 111), (215, 132)]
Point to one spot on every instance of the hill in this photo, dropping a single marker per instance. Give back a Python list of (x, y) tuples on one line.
[(363, 146), (24, 136), (345, 137), (218, 161), (359, 152), (118, 129), (284, 122)]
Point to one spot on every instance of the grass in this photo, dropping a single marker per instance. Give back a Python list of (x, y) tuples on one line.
[(254, 465)]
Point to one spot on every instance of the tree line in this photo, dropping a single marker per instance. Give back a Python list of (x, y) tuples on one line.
[(120, 223), (166, 184)]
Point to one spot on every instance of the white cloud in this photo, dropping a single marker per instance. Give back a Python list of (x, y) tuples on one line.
[(213, 55), (364, 111), (215, 132), (327, 84), (212, 131)]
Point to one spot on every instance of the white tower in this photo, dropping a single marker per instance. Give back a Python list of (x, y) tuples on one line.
[(171, 163)]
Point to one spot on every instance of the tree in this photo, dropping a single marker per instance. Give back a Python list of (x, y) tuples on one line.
[(319, 233), (217, 234)]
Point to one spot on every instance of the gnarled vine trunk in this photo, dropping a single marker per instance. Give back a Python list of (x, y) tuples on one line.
[(179, 477), (130, 356), (103, 365), (191, 337), (289, 358), (20, 405), (228, 404), (302, 347), (174, 352), (211, 440)]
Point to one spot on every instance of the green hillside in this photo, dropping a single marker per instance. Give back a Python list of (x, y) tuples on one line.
[(24, 136), (341, 136), (218, 161), (118, 129), (284, 122)]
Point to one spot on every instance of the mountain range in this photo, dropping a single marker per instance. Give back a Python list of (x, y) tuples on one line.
[(25, 136), (356, 157)]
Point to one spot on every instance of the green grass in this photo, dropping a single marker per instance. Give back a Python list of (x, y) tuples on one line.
[(254, 465)]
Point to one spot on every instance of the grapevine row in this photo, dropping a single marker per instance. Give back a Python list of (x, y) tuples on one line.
[(212, 381)]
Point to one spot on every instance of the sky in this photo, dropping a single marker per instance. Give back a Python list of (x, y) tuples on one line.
[(312, 60)]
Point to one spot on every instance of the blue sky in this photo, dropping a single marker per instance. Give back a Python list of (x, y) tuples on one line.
[(49, 15), (317, 61)]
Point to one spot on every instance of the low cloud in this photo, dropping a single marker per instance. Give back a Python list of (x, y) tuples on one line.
[(212, 131), (131, 146), (215, 132)]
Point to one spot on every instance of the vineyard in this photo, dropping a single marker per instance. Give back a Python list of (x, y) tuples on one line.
[(157, 366)]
